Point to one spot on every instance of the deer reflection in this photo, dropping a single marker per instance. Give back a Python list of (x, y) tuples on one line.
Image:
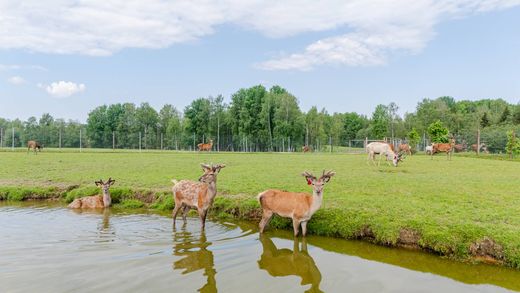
[(286, 262), (196, 256), (106, 231)]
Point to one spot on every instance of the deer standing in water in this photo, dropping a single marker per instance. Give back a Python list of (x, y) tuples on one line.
[(296, 205), (95, 201), (32, 144), (189, 194)]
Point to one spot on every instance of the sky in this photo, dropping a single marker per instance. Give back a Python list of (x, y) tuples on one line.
[(66, 57)]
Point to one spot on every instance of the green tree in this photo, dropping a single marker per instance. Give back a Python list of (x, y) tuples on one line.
[(413, 138), (437, 132), (379, 123), (352, 124), (513, 144), (504, 118), (484, 121)]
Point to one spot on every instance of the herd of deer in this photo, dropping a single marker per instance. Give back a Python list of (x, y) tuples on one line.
[(199, 195)]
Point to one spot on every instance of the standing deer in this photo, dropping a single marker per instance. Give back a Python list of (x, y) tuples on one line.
[(189, 194), (306, 149), (95, 201), (381, 148), (205, 146), (32, 144), (443, 148), (405, 148), (296, 205), (483, 147)]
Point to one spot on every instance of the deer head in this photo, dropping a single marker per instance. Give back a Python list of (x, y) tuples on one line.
[(210, 172), (105, 186), (318, 184)]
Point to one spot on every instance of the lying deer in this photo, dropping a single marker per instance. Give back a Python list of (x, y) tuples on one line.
[(95, 201), (296, 205), (198, 195)]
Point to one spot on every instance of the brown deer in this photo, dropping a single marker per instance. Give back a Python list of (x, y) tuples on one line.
[(296, 205), (95, 201), (483, 147), (443, 148), (205, 146), (32, 144), (306, 149), (189, 194), (405, 148)]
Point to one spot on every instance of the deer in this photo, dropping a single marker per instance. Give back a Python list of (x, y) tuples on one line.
[(483, 147), (306, 149), (296, 205), (199, 195), (382, 148), (405, 148), (205, 146), (443, 148), (95, 201), (32, 144)]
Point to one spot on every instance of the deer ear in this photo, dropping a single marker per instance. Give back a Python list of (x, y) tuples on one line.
[(217, 167), (205, 167)]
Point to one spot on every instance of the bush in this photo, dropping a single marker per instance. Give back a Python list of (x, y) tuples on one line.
[(131, 203), (81, 192)]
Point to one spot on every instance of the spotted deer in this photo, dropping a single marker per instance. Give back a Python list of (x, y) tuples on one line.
[(189, 194), (296, 205), (95, 201)]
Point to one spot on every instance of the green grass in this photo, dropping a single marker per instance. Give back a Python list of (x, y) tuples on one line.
[(451, 204)]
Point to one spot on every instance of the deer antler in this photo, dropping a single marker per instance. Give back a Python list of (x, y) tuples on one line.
[(327, 175), (110, 181), (205, 166), (100, 182), (308, 174)]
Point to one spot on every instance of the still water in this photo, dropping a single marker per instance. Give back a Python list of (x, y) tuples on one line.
[(49, 248)]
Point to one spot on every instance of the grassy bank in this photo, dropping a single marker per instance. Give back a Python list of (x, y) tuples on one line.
[(459, 208)]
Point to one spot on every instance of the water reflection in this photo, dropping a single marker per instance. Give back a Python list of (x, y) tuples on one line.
[(286, 262), (196, 256), (106, 231)]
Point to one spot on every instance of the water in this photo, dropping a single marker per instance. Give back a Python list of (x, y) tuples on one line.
[(48, 248)]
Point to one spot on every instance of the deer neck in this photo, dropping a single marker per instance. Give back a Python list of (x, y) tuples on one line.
[(317, 199), (107, 200), (212, 190)]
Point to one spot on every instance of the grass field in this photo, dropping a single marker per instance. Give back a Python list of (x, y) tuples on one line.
[(449, 207)]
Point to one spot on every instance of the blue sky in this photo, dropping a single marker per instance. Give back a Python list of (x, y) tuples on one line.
[(340, 55)]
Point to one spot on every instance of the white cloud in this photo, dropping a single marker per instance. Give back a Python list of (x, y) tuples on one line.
[(6, 67), (367, 31), (62, 89), (16, 80)]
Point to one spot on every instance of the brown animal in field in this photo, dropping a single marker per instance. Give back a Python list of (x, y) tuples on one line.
[(285, 262), (32, 144), (198, 195), (483, 147), (296, 205), (405, 148), (95, 201), (443, 148), (205, 146), (306, 149)]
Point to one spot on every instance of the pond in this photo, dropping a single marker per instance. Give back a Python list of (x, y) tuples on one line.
[(46, 247)]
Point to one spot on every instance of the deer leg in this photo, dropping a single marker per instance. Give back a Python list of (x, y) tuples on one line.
[(202, 216), (185, 211), (175, 212), (265, 219), (296, 226), (304, 228)]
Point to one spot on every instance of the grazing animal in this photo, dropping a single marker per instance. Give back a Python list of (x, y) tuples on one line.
[(443, 148), (296, 205), (428, 149), (306, 149), (95, 201), (405, 148), (205, 146), (32, 144), (285, 262), (458, 148), (381, 148), (189, 194), (483, 147)]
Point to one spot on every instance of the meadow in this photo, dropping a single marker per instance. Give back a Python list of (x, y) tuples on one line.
[(466, 208)]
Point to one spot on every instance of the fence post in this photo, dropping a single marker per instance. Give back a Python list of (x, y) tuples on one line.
[(1, 137), (139, 141), (194, 141), (113, 140), (80, 146), (330, 142), (12, 144), (478, 141), (161, 141), (366, 143), (60, 139)]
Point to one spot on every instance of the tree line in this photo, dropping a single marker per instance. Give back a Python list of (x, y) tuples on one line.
[(261, 119)]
